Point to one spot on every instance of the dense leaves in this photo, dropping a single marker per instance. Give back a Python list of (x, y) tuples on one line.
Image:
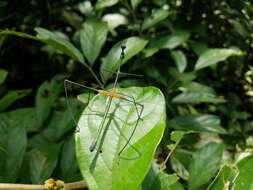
[(199, 54)]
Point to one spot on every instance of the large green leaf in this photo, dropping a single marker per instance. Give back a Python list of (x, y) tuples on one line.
[(43, 161), (197, 98), (11, 97), (113, 168), (52, 39), (204, 164), (59, 43), (105, 3), (213, 56), (199, 123), (112, 61), (92, 38), (245, 179), (3, 75), (159, 180), (13, 145), (167, 42)]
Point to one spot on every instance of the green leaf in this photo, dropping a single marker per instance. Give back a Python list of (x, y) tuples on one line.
[(180, 60), (92, 38), (177, 135), (69, 169), (3, 75), (112, 61), (204, 164), (11, 97), (245, 179), (135, 3), (197, 98), (105, 3), (52, 39), (114, 20), (43, 161), (46, 96), (156, 17), (59, 43), (199, 123), (13, 143), (115, 168), (225, 176), (60, 124), (158, 180), (25, 117), (213, 56), (167, 42)]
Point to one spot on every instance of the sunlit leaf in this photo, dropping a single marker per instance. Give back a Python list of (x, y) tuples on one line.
[(127, 170), (105, 3), (180, 60), (213, 56), (92, 38), (245, 178), (156, 16), (204, 164)]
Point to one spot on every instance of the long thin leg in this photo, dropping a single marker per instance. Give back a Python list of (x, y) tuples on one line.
[(132, 100), (66, 82)]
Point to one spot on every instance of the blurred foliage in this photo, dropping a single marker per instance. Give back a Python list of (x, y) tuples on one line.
[(198, 53)]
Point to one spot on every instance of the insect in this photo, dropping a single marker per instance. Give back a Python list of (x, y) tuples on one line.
[(111, 95)]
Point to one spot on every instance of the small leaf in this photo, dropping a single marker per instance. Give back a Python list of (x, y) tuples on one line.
[(167, 42), (3, 75), (105, 3), (180, 60), (158, 180), (43, 161), (92, 39), (11, 97), (68, 165), (177, 135), (197, 98), (112, 61), (157, 16), (127, 170), (114, 20), (213, 56), (199, 123), (204, 164), (245, 178), (45, 99), (135, 3), (59, 43)]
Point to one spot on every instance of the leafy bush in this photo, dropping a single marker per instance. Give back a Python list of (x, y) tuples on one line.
[(197, 53)]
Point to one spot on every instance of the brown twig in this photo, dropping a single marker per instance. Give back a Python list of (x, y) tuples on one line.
[(68, 186)]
